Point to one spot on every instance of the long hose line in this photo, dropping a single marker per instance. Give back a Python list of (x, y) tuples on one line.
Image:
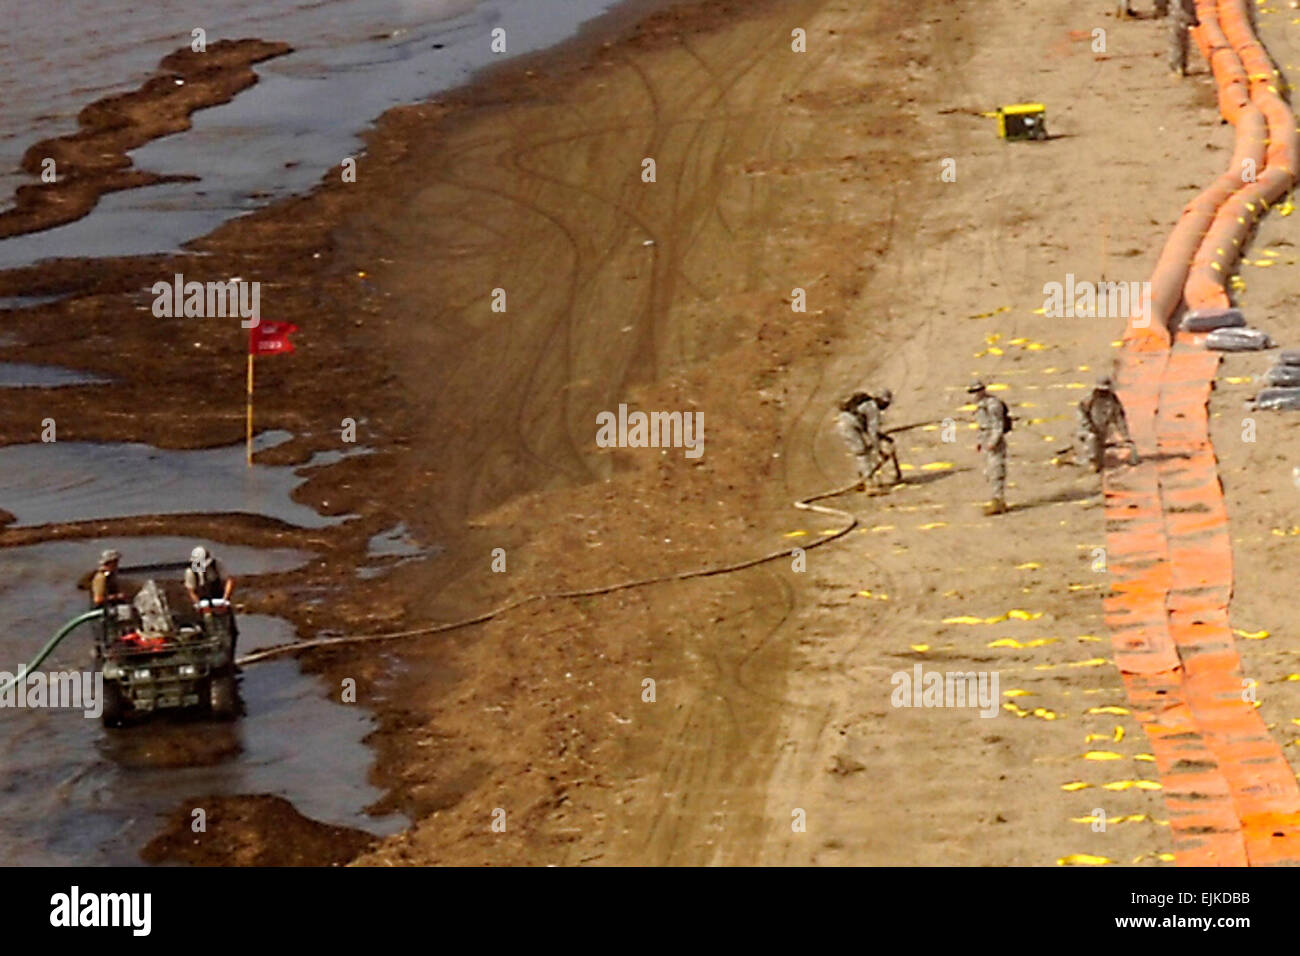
[(50, 645), (803, 504)]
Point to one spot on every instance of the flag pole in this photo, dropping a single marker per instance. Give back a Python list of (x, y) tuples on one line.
[(249, 438)]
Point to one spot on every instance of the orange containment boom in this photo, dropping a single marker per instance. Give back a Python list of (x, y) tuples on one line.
[(1232, 796)]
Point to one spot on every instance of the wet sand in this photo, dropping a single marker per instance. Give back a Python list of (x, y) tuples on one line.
[(775, 171)]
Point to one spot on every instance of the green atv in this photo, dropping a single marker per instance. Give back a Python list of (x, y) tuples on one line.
[(156, 659)]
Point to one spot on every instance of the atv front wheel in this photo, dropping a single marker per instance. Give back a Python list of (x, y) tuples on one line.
[(115, 705)]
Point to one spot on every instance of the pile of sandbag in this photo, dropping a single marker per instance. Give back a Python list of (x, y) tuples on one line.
[(1283, 379), (1227, 330)]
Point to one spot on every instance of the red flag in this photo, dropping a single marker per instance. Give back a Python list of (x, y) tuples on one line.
[(270, 338)]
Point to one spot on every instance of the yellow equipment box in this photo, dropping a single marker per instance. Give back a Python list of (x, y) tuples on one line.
[(1022, 121)]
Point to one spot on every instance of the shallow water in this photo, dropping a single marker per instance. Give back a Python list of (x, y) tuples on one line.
[(47, 483), (18, 375), (396, 542), (8, 302), (352, 60), (390, 549), (74, 793)]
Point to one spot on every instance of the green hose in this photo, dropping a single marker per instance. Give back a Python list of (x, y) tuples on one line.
[(52, 643)]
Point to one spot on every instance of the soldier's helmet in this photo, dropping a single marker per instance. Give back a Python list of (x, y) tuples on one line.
[(1107, 383), (109, 557), (975, 388), (885, 398)]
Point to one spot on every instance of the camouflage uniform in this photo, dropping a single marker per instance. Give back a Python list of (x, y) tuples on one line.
[(989, 412), (1184, 19), (1106, 413), (1088, 445), (861, 428)]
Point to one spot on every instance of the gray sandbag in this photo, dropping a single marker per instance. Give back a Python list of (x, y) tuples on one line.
[(1237, 340), (1289, 357), (1207, 320), (1284, 375), (1279, 399)]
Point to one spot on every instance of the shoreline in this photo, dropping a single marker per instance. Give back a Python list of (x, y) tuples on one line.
[(94, 160)]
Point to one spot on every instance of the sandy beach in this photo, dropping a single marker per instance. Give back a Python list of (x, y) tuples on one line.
[(782, 179)]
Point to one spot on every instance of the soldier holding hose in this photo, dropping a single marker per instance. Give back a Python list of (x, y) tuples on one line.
[(860, 424)]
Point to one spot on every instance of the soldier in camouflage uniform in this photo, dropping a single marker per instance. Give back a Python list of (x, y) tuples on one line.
[(1105, 413), (1184, 19), (994, 423), (860, 425), (1088, 446)]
